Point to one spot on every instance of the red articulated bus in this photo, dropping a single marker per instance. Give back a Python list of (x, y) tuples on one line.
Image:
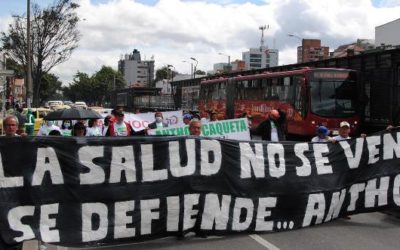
[(310, 97)]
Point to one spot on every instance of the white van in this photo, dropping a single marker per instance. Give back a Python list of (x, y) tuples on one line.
[(53, 104), (80, 105)]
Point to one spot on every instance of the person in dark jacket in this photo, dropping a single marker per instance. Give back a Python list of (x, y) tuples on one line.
[(159, 121), (272, 129)]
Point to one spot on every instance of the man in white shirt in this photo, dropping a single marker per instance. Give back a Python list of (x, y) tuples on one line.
[(46, 128), (10, 124), (344, 132)]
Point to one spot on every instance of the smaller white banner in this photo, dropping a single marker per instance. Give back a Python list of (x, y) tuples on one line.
[(142, 120)]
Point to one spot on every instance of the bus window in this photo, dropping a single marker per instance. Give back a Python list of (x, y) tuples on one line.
[(333, 98), (274, 89), (286, 90), (240, 90), (252, 92), (265, 89), (299, 95), (222, 91)]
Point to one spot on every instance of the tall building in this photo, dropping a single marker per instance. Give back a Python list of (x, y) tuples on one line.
[(311, 50), (220, 68), (137, 73), (262, 57), (238, 65), (388, 34)]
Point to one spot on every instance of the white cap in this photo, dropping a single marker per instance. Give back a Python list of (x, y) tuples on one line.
[(344, 124)]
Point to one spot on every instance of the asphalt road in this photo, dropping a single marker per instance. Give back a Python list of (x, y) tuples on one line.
[(364, 231)]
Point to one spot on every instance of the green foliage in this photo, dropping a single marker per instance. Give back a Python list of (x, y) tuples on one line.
[(165, 73), (19, 71), (50, 86), (94, 89), (200, 72), (54, 35)]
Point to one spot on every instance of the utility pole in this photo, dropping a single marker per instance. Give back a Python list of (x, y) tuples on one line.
[(262, 28), (195, 66), (29, 88)]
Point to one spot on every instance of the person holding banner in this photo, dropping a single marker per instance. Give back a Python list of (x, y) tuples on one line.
[(272, 129), (322, 135), (213, 116), (10, 124), (46, 128), (159, 121), (344, 132), (94, 129), (119, 127), (114, 111), (187, 118), (79, 129), (195, 127), (106, 123)]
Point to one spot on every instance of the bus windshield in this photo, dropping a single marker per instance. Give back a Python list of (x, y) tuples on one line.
[(333, 98)]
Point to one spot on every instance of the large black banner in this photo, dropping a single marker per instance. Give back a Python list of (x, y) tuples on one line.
[(85, 191)]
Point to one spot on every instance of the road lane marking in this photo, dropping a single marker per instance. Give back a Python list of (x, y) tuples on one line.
[(263, 242)]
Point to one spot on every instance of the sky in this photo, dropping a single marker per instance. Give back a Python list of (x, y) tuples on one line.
[(173, 31)]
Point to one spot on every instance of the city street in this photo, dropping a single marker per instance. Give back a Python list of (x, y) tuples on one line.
[(363, 231)]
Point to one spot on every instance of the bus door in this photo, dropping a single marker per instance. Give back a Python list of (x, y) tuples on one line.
[(296, 116)]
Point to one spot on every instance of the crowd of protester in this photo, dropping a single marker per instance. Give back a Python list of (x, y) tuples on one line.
[(111, 125), (271, 129)]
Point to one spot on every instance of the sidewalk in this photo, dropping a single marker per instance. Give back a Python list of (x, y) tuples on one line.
[(34, 245)]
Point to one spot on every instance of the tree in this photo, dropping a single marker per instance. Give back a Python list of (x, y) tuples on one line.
[(51, 85), (94, 89), (105, 81), (200, 72), (164, 73), (54, 36), (78, 90)]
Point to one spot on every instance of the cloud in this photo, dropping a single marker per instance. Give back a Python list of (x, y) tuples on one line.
[(389, 3), (175, 30)]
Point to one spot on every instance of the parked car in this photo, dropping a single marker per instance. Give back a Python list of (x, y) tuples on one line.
[(61, 107), (80, 105), (102, 111), (53, 104), (69, 103)]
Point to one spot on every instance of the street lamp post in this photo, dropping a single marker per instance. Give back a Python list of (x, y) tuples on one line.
[(169, 66), (299, 60), (29, 93), (191, 67), (229, 59), (195, 66), (295, 36)]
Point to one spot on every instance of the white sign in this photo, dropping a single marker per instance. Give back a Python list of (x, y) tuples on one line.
[(142, 120)]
